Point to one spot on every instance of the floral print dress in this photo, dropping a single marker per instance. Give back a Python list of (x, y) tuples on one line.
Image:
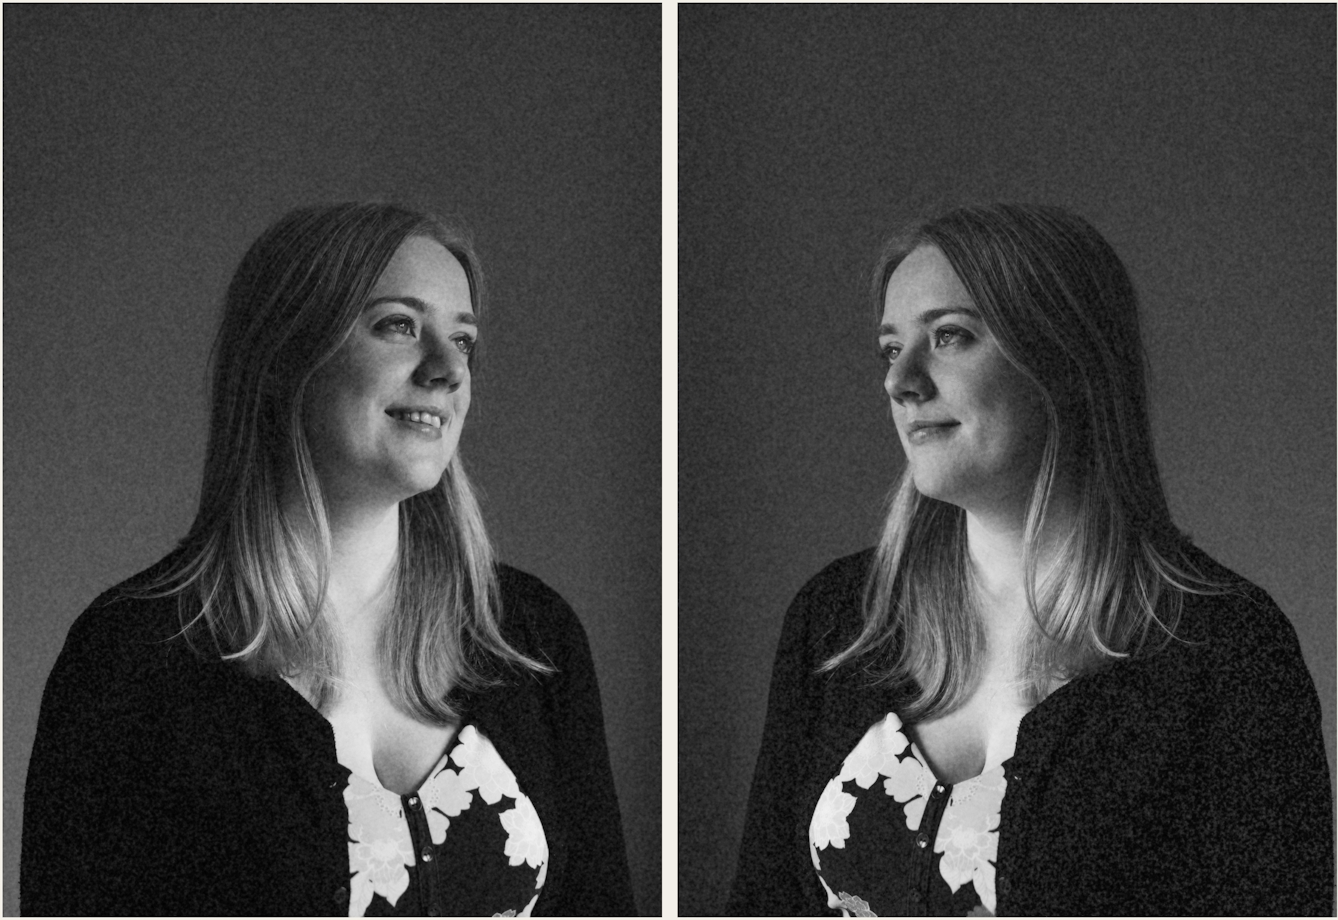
[(467, 843), (872, 830)]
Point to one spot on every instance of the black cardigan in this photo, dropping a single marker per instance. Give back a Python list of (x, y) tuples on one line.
[(164, 783), (1188, 781)]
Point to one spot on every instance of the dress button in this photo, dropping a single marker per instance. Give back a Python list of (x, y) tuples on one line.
[(938, 790), (922, 840), (427, 854), (413, 801), (433, 911), (1001, 885), (341, 896)]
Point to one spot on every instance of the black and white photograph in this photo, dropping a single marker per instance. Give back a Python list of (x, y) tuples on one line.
[(332, 450), (1006, 460), (670, 459)]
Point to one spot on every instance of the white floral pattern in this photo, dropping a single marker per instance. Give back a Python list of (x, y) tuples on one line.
[(876, 754), (380, 849), (525, 842), (854, 906), (482, 767), (444, 796), (829, 827), (909, 782), (968, 836), (968, 833)]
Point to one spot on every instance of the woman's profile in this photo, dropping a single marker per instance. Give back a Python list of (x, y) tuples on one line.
[(330, 698), (1035, 695)]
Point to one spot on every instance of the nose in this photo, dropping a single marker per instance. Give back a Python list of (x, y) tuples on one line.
[(907, 379), (443, 365)]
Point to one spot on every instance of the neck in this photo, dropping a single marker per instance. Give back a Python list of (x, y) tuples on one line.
[(995, 542), (364, 545)]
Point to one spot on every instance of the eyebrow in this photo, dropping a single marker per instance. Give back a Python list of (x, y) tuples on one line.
[(929, 316), (422, 307)]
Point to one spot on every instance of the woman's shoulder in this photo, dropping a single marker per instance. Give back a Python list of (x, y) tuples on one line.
[(1231, 647), (540, 624), (827, 613), (839, 578), (1237, 616), (129, 618), (124, 654), (537, 619)]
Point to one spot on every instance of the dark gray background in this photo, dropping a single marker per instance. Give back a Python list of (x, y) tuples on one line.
[(144, 148), (1199, 140)]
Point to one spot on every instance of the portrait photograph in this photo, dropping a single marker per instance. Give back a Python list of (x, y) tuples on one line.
[(931, 406), (1006, 460), (332, 557)]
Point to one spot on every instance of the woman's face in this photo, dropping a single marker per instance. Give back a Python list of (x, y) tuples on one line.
[(383, 416), (973, 427)]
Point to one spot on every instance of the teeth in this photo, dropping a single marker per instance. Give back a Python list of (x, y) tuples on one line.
[(422, 417)]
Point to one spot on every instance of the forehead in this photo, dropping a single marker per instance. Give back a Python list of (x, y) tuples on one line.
[(424, 269), (923, 281)]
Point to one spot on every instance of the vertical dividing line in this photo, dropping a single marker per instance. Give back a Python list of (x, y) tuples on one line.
[(669, 457)]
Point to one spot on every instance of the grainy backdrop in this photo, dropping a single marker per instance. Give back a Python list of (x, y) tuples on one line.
[(1199, 139), (145, 147)]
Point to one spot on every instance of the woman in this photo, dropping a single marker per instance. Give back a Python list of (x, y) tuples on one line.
[(1034, 696), (329, 698)]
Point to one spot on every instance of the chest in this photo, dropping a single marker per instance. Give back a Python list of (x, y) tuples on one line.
[(374, 738), (467, 842), (888, 837), (975, 737)]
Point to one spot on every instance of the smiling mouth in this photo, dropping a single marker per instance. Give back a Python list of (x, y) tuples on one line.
[(423, 418)]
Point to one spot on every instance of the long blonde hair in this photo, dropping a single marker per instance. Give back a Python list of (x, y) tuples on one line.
[(1063, 310), (250, 578)]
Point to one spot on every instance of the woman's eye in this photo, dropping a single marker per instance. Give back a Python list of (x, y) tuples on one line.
[(888, 353), (398, 324), (466, 344), (948, 335)]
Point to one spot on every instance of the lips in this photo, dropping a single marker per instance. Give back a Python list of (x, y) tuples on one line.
[(922, 432), (913, 427), (421, 416)]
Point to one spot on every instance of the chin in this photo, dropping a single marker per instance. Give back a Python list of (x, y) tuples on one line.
[(410, 492), (424, 484), (937, 495), (940, 487), (411, 482)]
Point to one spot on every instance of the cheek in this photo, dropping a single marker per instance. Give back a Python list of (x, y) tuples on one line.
[(358, 377), (357, 381), (339, 398), (463, 396), (1013, 409), (1022, 419), (319, 413)]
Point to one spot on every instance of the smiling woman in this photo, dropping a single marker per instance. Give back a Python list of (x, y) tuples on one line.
[(387, 410), (330, 697), (1035, 695)]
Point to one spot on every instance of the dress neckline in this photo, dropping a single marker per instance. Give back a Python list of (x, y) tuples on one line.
[(437, 766), (924, 762)]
